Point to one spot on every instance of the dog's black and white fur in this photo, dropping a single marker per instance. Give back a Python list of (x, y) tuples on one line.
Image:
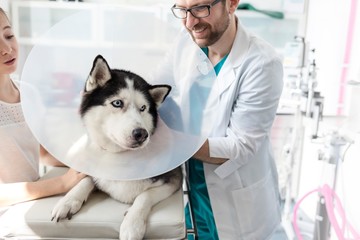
[(119, 111)]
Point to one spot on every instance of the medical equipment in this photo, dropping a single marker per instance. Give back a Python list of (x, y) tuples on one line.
[(328, 200), (294, 62), (310, 107), (312, 102), (300, 72), (294, 52), (328, 197), (301, 77)]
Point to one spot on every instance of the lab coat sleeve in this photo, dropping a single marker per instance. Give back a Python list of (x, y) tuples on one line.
[(252, 115)]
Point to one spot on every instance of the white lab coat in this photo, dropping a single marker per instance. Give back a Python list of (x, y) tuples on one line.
[(244, 190)]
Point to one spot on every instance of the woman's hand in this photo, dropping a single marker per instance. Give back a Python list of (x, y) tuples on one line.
[(71, 178), (11, 193)]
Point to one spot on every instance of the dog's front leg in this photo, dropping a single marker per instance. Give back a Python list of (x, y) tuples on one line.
[(133, 226), (73, 200)]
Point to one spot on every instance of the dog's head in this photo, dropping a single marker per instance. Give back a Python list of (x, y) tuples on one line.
[(119, 108)]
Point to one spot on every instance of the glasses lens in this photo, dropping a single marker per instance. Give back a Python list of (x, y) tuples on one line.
[(179, 12), (200, 11)]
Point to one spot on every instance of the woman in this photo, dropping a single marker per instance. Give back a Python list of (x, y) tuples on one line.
[(19, 151)]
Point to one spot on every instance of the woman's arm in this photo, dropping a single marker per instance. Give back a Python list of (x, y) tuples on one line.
[(47, 159), (11, 193)]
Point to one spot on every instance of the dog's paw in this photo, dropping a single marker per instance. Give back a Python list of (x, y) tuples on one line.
[(65, 208), (132, 227)]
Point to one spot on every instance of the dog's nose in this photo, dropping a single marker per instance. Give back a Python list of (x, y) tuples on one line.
[(140, 134)]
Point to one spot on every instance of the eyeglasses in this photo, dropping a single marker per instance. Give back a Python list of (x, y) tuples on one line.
[(201, 11)]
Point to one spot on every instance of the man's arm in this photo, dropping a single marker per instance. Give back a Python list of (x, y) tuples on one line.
[(203, 154)]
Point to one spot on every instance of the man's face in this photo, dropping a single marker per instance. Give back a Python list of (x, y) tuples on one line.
[(205, 31)]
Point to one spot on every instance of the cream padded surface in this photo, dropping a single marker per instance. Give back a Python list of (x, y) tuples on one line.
[(99, 218)]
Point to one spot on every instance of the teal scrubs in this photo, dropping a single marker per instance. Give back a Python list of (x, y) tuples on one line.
[(199, 197)]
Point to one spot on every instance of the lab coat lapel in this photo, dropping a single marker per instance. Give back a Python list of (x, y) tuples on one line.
[(228, 72)]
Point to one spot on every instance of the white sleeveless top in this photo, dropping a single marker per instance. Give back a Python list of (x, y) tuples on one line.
[(19, 149)]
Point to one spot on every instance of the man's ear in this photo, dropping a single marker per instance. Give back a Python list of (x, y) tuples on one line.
[(233, 4), (100, 73)]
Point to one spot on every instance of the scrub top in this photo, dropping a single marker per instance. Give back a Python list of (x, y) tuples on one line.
[(199, 197)]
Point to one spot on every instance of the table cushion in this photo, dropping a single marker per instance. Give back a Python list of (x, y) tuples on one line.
[(99, 218)]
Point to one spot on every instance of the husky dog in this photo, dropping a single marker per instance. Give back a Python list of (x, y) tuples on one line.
[(119, 110)]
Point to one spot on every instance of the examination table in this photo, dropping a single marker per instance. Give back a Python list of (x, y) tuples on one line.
[(99, 218)]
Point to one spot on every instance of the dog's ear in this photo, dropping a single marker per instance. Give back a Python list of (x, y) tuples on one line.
[(99, 74), (159, 93)]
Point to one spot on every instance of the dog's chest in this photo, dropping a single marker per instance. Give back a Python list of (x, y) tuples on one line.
[(125, 191)]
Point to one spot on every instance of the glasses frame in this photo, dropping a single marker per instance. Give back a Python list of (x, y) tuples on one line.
[(208, 6)]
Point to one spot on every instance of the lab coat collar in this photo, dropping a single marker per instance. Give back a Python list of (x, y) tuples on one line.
[(227, 74), (240, 46)]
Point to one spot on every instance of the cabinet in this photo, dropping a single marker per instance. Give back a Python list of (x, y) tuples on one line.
[(275, 31), (32, 19), (87, 27)]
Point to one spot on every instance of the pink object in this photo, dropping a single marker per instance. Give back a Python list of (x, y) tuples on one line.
[(348, 46), (332, 202)]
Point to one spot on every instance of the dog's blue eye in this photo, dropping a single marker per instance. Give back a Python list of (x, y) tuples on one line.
[(117, 103), (143, 107)]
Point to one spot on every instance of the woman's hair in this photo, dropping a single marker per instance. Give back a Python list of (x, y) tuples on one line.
[(4, 13)]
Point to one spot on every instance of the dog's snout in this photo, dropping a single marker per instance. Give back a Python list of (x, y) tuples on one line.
[(140, 135)]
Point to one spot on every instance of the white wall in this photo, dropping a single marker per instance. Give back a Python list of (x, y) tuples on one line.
[(327, 31), (4, 4)]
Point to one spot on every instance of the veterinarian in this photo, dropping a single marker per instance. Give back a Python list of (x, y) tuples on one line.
[(19, 150), (233, 177)]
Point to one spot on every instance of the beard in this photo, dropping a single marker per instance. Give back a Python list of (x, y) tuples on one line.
[(214, 32)]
